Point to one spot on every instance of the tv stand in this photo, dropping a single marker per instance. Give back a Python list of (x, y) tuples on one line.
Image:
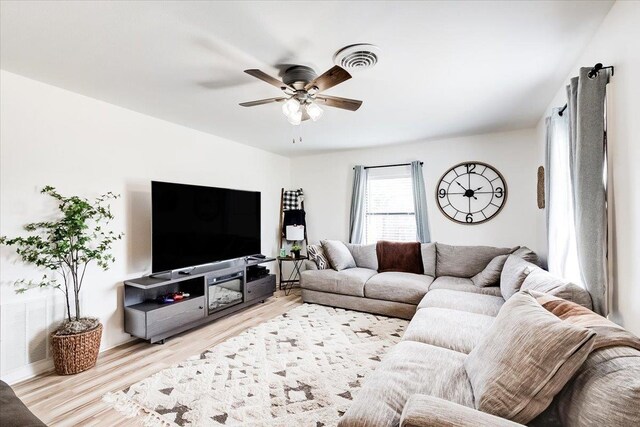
[(214, 291)]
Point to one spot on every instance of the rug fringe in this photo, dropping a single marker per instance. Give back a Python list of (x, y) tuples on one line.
[(130, 409)]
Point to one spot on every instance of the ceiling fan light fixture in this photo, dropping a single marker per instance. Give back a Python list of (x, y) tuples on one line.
[(314, 111), (295, 118), (291, 107)]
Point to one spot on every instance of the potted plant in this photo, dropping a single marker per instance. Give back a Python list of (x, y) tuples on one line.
[(295, 250), (65, 246)]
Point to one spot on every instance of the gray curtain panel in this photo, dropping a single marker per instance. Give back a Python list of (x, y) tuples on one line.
[(586, 107), (420, 203), (357, 217)]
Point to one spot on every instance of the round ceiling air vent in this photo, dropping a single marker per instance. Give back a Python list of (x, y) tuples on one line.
[(357, 57)]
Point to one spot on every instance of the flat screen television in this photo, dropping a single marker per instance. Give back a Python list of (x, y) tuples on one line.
[(194, 225)]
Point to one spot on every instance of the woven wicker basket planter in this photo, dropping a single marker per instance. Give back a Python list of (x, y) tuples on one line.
[(76, 353)]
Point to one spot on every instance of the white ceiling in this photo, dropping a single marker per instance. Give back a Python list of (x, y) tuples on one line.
[(446, 68)]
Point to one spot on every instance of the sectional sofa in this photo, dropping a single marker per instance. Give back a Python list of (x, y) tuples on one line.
[(473, 309)]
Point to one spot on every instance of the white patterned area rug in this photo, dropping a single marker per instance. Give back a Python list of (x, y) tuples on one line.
[(302, 368)]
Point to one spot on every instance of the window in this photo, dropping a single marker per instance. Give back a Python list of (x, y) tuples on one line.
[(563, 253), (389, 207)]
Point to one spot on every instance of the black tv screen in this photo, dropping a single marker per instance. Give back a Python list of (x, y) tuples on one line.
[(193, 225)]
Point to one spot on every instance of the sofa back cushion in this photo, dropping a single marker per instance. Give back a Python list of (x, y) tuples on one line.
[(540, 280), (525, 359), (606, 388), (514, 272), (338, 254), (604, 392), (428, 251), (364, 255), (465, 261)]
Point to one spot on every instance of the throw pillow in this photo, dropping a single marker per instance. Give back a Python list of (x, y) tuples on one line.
[(364, 255), (514, 272), (404, 257), (428, 251), (316, 254), (338, 254), (465, 261), (525, 359), (542, 281), (490, 276), (527, 254)]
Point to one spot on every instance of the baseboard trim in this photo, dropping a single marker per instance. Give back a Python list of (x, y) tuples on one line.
[(41, 367)]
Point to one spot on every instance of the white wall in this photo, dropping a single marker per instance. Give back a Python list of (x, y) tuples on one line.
[(617, 43), (327, 180), (88, 147)]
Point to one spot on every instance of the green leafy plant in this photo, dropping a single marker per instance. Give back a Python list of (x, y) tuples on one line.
[(296, 247), (65, 246)]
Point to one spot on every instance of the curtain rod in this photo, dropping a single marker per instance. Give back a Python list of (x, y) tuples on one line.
[(592, 73), (389, 166)]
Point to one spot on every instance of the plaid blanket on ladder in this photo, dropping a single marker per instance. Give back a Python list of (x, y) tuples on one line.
[(292, 199)]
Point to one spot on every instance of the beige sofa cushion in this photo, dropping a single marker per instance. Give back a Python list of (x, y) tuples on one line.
[(451, 329), (604, 392), (540, 280), (465, 261), (422, 410), (525, 359), (428, 252), (463, 285), (364, 255), (514, 272), (409, 368), (397, 286), (338, 255), (464, 301), (346, 282)]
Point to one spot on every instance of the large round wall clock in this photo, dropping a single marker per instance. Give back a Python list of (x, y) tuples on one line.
[(471, 193)]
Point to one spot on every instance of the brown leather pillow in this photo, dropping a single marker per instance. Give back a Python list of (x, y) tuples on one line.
[(405, 257)]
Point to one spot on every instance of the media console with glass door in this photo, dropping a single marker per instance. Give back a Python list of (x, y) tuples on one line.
[(156, 308)]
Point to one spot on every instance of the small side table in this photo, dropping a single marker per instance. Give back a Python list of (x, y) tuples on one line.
[(294, 276)]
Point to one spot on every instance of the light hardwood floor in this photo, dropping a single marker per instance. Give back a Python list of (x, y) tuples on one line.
[(77, 399)]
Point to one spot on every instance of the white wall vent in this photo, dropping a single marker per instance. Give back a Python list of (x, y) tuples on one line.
[(357, 57)]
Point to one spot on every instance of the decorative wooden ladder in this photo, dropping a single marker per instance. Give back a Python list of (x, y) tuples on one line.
[(283, 232)]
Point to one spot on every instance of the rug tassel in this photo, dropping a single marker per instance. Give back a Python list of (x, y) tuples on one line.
[(130, 409)]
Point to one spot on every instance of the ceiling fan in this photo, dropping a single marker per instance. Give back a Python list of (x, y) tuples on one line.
[(302, 89)]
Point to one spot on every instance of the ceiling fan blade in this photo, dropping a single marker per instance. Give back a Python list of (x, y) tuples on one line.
[(261, 101), (338, 102), (267, 78), (334, 76)]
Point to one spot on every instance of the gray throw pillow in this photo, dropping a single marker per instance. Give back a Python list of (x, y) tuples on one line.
[(527, 254), (490, 276), (364, 255), (514, 272), (525, 359), (465, 261), (338, 254), (542, 281), (428, 251)]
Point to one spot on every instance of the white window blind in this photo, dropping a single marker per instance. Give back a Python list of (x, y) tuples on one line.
[(389, 207)]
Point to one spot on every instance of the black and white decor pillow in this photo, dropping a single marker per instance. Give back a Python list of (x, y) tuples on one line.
[(316, 254)]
